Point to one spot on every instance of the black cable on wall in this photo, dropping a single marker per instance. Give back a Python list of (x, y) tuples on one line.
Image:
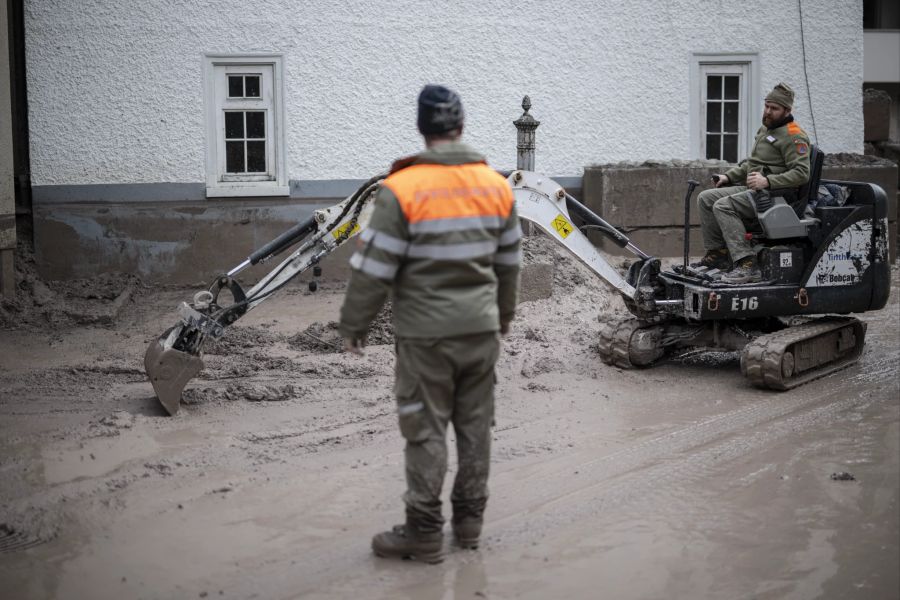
[(806, 75)]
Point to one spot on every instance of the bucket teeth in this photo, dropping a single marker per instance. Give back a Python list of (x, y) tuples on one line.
[(169, 371)]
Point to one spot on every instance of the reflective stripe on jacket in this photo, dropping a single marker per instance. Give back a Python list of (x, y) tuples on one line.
[(444, 239)]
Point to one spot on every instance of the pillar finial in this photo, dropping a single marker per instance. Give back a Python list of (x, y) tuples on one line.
[(526, 126)]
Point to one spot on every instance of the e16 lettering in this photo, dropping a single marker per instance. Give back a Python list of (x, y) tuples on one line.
[(751, 303)]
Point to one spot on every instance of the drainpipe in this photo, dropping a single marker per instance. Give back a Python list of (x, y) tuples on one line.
[(7, 171)]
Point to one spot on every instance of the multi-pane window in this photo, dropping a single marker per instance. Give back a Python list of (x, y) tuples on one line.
[(723, 107), (245, 141), (245, 126), (723, 127), (243, 86), (726, 105)]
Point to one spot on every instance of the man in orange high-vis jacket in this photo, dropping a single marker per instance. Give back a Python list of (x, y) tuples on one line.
[(443, 241)]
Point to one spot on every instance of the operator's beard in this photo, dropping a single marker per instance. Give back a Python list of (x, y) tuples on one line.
[(772, 124)]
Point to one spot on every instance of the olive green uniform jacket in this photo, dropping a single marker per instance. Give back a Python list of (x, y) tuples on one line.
[(781, 154), (444, 241)]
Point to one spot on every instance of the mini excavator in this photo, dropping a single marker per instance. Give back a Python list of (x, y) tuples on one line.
[(790, 328)]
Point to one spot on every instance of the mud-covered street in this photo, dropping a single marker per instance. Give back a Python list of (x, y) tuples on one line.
[(678, 481)]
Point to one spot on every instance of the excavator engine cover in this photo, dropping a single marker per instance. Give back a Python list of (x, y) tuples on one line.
[(169, 371)]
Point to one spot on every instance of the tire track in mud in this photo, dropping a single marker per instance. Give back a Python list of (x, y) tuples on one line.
[(625, 481), (675, 459)]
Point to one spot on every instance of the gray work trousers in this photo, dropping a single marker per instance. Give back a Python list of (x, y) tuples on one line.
[(725, 214), (441, 381)]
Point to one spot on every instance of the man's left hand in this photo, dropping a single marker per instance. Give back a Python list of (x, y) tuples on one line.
[(757, 181)]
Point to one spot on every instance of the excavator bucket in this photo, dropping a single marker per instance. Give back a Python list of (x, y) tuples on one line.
[(169, 371)]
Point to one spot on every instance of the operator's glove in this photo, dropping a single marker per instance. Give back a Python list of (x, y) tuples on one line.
[(355, 345)]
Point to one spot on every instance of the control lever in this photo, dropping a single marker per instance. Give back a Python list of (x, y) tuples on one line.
[(692, 184)]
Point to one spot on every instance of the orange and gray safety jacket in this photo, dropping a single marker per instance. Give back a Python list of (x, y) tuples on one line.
[(444, 241)]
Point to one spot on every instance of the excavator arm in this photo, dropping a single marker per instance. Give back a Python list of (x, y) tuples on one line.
[(542, 201), (174, 358)]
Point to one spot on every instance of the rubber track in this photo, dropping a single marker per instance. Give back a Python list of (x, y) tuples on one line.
[(761, 359), (615, 341)]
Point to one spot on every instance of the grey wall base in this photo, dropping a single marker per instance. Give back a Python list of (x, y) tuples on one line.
[(186, 243), (647, 201), (190, 242), (178, 243)]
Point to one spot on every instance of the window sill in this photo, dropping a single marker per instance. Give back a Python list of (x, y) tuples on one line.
[(247, 191)]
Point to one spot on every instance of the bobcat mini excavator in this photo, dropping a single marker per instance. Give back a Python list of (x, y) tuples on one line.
[(790, 328)]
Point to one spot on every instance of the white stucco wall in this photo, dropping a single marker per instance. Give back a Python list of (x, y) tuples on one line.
[(116, 91)]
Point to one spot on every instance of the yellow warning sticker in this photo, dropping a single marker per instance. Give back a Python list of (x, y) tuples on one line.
[(340, 230), (562, 226)]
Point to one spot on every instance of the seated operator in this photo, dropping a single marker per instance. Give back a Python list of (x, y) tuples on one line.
[(779, 159)]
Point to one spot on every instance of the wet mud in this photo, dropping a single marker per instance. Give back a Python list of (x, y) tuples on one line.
[(677, 481)]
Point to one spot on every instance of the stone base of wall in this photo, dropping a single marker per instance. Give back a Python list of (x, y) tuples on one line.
[(647, 200), (192, 242), (169, 243), (876, 115), (188, 243), (657, 241), (536, 281)]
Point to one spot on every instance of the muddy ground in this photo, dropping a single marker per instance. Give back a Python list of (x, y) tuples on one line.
[(679, 481)]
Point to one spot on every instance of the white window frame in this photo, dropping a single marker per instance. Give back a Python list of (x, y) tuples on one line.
[(224, 185), (745, 64)]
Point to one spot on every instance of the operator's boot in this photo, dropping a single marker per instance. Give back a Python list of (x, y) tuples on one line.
[(717, 258), (745, 271), (404, 541), (466, 532)]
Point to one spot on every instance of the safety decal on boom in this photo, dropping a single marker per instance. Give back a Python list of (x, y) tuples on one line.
[(339, 231), (562, 226), (846, 258)]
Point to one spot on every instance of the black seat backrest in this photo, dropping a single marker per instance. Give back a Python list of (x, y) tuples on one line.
[(811, 187)]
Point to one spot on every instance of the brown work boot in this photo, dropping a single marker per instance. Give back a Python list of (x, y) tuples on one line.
[(466, 532), (404, 541), (745, 271), (717, 258)]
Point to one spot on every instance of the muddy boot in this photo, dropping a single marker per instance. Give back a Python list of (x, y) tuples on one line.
[(745, 271), (466, 532), (403, 541), (717, 258)]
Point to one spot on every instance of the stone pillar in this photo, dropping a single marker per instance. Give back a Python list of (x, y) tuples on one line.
[(526, 126), (7, 188)]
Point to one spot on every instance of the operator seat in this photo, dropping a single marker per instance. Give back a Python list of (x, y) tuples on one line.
[(783, 220)]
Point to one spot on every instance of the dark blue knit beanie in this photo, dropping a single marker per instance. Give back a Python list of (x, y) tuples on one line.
[(440, 110)]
